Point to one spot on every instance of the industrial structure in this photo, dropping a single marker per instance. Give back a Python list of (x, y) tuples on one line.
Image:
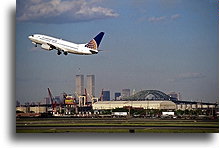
[(74, 105)]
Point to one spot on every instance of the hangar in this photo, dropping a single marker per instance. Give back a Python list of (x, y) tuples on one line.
[(150, 104), (153, 99)]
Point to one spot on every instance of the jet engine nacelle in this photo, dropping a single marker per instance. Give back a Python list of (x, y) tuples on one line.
[(46, 47)]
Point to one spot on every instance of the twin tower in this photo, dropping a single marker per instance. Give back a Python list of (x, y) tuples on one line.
[(80, 89)]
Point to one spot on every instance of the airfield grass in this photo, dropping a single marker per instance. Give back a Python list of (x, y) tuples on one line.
[(169, 123), (118, 125), (114, 126)]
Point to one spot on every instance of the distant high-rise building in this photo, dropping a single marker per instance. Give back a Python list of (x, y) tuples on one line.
[(79, 81), (18, 103), (133, 92), (106, 95), (117, 95), (91, 85), (125, 92), (174, 95), (47, 100)]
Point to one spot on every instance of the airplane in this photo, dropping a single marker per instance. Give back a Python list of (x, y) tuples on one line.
[(50, 43)]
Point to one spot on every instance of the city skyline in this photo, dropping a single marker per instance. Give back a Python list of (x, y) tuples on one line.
[(171, 46)]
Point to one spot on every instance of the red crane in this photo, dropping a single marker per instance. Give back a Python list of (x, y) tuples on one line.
[(51, 98)]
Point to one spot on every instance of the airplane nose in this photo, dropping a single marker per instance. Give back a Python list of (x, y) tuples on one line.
[(30, 37)]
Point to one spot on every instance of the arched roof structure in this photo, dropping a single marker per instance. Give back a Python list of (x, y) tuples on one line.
[(149, 95)]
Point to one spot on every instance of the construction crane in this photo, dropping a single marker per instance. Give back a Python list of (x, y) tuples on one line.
[(85, 91), (101, 95), (91, 98), (52, 102), (64, 95)]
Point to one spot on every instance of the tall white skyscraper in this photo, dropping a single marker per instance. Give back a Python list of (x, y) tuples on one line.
[(79, 84), (91, 85)]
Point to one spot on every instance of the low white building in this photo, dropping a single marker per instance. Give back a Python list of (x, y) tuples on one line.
[(185, 106), (36, 109), (101, 105)]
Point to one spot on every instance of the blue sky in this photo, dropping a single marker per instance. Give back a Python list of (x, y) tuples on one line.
[(168, 45)]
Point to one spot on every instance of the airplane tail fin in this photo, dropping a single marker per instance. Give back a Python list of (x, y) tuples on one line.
[(95, 42)]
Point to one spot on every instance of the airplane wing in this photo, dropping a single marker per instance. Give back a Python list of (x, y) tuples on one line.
[(59, 49), (52, 46)]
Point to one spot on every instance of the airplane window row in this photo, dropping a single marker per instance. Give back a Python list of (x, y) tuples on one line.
[(47, 39), (66, 45)]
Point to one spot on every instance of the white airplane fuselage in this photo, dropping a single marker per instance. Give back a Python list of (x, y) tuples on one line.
[(50, 43)]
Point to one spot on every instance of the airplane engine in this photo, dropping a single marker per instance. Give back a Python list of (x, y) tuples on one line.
[(46, 47)]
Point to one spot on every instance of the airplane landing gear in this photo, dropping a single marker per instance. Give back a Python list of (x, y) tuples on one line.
[(59, 52), (65, 53)]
